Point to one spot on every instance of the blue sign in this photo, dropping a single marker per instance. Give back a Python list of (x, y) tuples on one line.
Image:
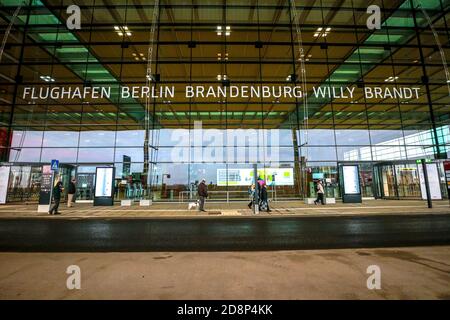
[(318, 176), (55, 165)]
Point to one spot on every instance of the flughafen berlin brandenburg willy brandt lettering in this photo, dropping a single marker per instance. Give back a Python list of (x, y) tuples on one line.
[(244, 91)]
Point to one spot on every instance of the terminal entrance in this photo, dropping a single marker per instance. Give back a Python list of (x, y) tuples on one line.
[(397, 180), (25, 181), (85, 186), (383, 180)]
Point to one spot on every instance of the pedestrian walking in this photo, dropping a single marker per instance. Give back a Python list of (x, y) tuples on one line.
[(203, 194), (71, 193), (57, 191), (251, 194), (264, 199), (320, 193)]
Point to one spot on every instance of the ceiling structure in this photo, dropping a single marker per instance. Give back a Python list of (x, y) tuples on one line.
[(261, 48)]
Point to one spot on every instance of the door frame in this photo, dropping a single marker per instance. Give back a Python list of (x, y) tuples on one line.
[(377, 166)]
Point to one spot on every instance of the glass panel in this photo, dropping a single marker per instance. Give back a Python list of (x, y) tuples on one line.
[(408, 181), (388, 180), (367, 116)]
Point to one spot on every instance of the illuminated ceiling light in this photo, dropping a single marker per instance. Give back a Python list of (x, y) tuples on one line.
[(47, 78), (302, 57), (221, 57), (288, 78), (221, 77), (121, 30), (321, 33), (219, 30), (391, 79), (139, 56)]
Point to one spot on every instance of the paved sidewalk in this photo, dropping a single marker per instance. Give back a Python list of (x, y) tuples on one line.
[(287, 208), (406, 273)]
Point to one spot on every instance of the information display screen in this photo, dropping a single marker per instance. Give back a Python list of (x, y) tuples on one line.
[(104, 182), (318, 176), (244, 177), (46, 185), (351, 180)]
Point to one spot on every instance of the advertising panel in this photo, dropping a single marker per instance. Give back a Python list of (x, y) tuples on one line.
[(104, 182), (433, 182), (447, 176), (4, 178), (244, 177), (351, 180)]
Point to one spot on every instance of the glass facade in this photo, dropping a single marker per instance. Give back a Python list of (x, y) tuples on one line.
[(163, 145)]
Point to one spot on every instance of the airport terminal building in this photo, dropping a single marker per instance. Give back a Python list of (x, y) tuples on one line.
[(170, 92)]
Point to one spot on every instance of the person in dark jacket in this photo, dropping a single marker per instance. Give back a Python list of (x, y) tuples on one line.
[(264, 198), (251, 194), (71, 192), (203, 194), (57, 191)]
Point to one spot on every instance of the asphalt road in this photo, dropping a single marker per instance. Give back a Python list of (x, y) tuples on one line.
[(222, 234)]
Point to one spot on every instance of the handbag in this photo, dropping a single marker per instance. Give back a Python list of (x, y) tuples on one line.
[(263, 205)]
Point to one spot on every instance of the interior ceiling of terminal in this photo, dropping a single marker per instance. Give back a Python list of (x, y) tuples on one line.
[(347, 55)]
